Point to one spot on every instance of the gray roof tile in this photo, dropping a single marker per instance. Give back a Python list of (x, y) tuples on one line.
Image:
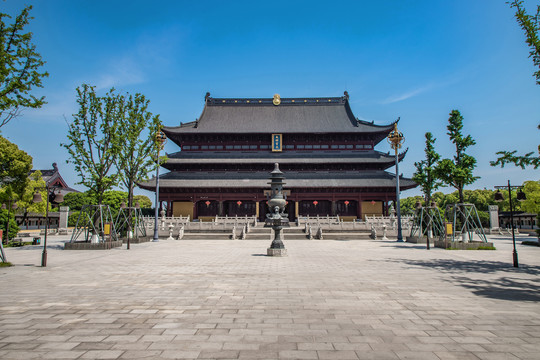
[(302, 115), (259, 179)]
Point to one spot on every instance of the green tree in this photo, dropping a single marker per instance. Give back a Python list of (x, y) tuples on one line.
[(94, 140), (13, 227), (138, 129), (25, 203), (480, 198), (114, 198), (143, 200), (408, 204), (425, 174), (15, 165), (532, 192), (75, 201), (20, 65), (458, 172), (531, 26)]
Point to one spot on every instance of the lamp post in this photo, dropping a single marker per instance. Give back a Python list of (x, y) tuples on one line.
[(275, 218), (56, 198), (520, 196), (161, 139), (8, 207), (396, 139)]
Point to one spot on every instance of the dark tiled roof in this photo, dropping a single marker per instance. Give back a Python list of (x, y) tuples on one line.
[(286, 157), (51, 176), (259, 179), (298, 115), (517, 214)]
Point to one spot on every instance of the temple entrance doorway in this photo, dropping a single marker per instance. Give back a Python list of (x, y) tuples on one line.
[(315, 207), (240, 208)]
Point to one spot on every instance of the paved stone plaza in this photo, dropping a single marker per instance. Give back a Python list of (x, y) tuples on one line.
[(226, 300)]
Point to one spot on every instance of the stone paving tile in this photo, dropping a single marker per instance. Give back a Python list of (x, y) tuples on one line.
[(416, 355), (179, 354), (140, 354), (497, 356), (526, 356), (327, 299), (377, 355), (265, 354), (298, 354), (337, 354), (58, 346), (66, 355), (102, 354), (93, 346), (315, 346), (444, 355), (19, 346), (352, 346), (279, 346), (230, 354)]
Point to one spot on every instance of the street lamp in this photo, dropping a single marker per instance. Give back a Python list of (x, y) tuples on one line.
[(8, 207), (520, 196), (55, 198), (396, 139), (161, 139)]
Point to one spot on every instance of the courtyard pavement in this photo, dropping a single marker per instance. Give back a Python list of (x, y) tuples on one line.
[(216, 299)]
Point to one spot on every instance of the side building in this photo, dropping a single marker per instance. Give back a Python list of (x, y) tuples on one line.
[(326, 154), (29, 220)]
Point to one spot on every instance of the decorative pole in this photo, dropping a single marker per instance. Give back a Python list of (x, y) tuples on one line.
[(56, 199), (396, 139), (44, 253), (161, 139), (520, 196), (9, 207), (276, 217)]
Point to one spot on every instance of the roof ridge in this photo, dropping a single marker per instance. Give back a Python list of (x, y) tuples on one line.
[(332, 100)]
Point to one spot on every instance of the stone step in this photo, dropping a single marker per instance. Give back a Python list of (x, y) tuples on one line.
[(206, 236), (295, 236)]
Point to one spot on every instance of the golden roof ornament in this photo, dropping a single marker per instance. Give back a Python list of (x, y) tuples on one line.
[(277, 99), (395, 138)]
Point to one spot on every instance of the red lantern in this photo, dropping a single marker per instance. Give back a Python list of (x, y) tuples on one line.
[(207, 202), (315, 202), (346, 202), (239, 203)]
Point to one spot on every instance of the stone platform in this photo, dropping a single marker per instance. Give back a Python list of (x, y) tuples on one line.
[(276, 252), (91, 246), (219, 299), (460, 245)]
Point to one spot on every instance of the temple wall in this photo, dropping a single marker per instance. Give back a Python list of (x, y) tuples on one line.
[(183, 208), (370, 209)]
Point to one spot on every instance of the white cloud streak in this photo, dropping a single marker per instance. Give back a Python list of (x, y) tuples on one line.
[(406, 95)]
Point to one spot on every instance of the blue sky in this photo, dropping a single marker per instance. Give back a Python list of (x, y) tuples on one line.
[(416, 60)]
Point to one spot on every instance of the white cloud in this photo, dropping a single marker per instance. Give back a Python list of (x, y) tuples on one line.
[(123, 71), (406, 95), (151, 52)]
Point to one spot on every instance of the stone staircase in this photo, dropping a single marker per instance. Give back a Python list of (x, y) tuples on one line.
[(265, 233), (260, 232)]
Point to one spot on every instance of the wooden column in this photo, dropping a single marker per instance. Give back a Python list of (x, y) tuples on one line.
[(195, 213), (220, 208)]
